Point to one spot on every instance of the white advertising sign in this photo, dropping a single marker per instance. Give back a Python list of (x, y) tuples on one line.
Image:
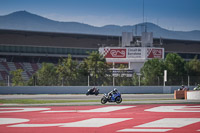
[(135, 53), (132, 52)]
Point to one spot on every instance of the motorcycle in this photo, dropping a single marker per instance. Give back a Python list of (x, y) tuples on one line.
[(93, 91), (115, 97), (184, 88), (197, 88)]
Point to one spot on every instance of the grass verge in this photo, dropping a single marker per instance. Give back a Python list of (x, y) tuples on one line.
[(32, 101)]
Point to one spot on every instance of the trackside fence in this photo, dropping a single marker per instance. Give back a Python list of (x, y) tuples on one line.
[(83, 89), (111, 81)]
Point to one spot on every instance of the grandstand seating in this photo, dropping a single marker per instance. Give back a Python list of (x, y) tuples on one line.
[(4, 75), (27, 66), (6, 66), (28, 69), (1, 78), (11, 66), (34, 67), (18, 65)]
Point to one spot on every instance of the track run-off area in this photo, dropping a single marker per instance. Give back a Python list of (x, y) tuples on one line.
[(169, 118)]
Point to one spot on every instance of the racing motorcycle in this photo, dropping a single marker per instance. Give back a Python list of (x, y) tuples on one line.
[(197, 87), (115, 97), (93, 91)]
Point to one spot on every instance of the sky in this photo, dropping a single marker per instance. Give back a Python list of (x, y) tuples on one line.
[(177, 15)]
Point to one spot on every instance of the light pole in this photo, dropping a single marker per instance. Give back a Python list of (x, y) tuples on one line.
[(113, 81), (139, 79), (88, 80), (8, 80)]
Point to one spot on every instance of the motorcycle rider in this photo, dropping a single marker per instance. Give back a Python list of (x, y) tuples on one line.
[(93, 90), (114, 91), (182, 87), (197, 88)]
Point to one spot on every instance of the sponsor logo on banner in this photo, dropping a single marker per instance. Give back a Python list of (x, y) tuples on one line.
[(154, 53), (115, 53), (135, 53)]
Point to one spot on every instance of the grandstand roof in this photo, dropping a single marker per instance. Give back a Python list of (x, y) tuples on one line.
[(53, 39), (69, 40)]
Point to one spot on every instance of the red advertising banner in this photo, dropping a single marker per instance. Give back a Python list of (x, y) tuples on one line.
[(133, 52), (114, 53), (154, 53)]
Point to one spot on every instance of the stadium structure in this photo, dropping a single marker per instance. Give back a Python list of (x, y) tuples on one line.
[(27, 50)]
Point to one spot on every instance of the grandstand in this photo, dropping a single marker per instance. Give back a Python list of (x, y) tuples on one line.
[(28, 69), (28, 49)]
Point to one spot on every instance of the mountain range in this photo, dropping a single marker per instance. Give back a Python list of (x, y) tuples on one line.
[(23, 20)]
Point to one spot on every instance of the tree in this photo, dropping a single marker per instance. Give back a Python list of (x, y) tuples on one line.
[(67, 71), (83, 73), (193, 67), (46, 76), (17, 79), (151, 70), (175, 67), (96, 66), (122, 79), (135, 79), (31, 81)]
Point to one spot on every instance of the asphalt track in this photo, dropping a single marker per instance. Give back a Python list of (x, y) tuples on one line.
[(168, 118)]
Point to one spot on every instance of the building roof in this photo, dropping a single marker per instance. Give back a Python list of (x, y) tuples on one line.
[(69, 40)]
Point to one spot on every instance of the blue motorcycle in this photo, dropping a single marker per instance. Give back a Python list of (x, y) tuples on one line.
[(114, 97)]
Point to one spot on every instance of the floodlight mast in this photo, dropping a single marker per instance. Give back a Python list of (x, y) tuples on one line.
[(143, 11), (144, 24)]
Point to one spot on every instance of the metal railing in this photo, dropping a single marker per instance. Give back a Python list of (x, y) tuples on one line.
[(113, 81)]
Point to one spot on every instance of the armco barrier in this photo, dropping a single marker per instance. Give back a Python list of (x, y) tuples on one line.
[(180, 94), (83, 89)]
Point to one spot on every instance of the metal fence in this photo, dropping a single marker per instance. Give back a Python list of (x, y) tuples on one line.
[(115, 81)]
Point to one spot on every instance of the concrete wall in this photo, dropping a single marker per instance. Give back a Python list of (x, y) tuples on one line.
[(191, 95), (83, 89)]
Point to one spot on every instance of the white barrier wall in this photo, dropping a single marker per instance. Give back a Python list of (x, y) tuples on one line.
[(83, 89), (192, 95)]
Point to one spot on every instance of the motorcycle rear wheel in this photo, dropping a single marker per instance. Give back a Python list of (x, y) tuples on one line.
[(118, 100)]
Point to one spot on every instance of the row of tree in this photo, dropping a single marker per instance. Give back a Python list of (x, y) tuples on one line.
[(69, 72), (178, 70)]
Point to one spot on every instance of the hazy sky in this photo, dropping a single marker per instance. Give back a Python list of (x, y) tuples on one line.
[(181, 15)]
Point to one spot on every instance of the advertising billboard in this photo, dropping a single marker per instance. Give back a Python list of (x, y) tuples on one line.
[(132, 52), (155, 53), (136, 52), (114, 53)]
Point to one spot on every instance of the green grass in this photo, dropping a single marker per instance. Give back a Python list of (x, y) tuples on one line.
[(147, 99), (32, 101)]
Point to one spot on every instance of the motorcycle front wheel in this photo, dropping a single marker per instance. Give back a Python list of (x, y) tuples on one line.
[(118, 100), (103, 100), (87, 93), (96, 93)]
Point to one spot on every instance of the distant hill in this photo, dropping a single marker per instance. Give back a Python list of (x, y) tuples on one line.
[(23, 20)]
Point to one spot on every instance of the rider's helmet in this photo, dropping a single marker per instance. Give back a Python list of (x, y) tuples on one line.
[(115, 90), (182, 86)]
